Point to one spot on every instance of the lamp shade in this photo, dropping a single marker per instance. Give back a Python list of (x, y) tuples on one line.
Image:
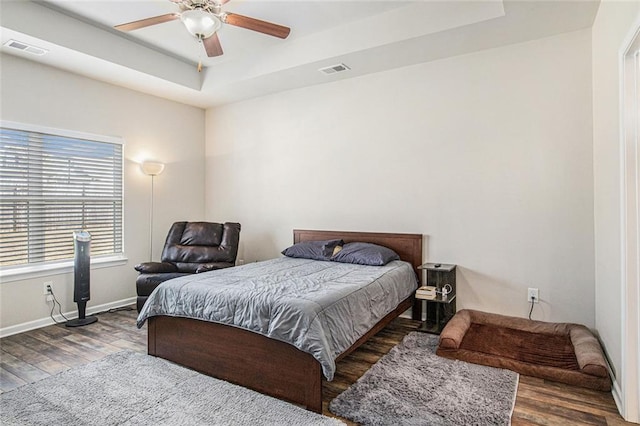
[(152, 168), (200, 23)]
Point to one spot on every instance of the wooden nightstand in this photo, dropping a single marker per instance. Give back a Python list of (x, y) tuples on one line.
[(439, 310)]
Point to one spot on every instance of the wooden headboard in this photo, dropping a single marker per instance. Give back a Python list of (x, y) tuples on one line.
[(408, 246)]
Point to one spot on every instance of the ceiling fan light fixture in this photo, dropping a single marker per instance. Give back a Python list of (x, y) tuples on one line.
[(199, 23)]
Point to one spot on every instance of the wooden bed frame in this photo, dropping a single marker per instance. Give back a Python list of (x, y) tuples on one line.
[(257, 362)]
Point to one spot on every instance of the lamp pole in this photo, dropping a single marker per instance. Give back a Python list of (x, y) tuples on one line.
[(151, 221), (153, 169)]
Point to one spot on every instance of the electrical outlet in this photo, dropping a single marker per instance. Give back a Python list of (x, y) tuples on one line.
[(532, 295), (46, 288)]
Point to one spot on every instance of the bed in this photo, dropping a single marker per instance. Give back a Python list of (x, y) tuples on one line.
[(269, 365)]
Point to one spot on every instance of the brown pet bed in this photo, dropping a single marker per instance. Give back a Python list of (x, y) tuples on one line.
[(567, 353)]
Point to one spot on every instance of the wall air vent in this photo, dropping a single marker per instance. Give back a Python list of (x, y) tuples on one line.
[(25, 47), (333, 69)]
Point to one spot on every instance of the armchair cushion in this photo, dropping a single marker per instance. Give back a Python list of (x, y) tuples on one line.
[(183, 246), (205, 267), (201, 234), (155, 267)]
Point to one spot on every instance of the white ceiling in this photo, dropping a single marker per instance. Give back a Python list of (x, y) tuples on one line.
[(368, 36)]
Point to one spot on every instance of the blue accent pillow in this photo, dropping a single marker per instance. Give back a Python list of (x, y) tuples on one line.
[(365, 254), (316, 250)]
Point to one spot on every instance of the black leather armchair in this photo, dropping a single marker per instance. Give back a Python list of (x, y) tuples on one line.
[(190, 248)]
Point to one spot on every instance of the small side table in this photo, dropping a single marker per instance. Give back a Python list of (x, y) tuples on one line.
[(439, 310)]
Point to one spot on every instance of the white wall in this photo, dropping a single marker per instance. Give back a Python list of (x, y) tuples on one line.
[(613, 23), (489, 155), (152, 128)]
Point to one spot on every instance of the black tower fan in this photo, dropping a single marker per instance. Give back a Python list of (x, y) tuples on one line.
[(81, 272)]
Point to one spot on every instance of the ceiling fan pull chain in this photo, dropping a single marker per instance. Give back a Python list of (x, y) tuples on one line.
[(200, 55)]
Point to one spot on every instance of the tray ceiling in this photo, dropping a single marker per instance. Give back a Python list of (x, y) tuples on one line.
[(367, 36)]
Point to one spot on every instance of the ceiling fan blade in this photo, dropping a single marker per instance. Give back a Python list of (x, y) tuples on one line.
[(130, 26), (257, 25), (219, 2), (212, 46)]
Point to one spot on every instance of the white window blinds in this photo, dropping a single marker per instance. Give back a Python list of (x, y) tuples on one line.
[(54, 184)]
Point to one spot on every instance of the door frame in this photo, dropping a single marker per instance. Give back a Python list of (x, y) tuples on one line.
[(630, 232)]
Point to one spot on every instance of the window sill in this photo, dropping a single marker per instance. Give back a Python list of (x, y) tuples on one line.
[(27, 272)]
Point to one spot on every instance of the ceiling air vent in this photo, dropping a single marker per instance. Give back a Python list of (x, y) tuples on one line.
[(334, 69), (25, 47)]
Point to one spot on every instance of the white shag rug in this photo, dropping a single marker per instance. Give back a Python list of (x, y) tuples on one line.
[(128, 388)]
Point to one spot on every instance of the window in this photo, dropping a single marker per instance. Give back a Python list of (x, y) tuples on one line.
[(52, 183)]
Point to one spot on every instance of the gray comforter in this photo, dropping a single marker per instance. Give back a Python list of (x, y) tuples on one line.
[(321, 308)]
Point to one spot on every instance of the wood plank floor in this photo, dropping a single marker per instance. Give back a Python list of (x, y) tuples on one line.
[(37, 354)]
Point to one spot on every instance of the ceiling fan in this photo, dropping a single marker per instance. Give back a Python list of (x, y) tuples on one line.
[(203, 18)]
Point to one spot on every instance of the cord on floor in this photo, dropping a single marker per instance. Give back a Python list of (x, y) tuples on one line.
[(114, 310), (55, 301), (53, 306)]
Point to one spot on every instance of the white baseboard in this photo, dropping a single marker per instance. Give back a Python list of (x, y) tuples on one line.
[(617, 394), (32, 325)]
